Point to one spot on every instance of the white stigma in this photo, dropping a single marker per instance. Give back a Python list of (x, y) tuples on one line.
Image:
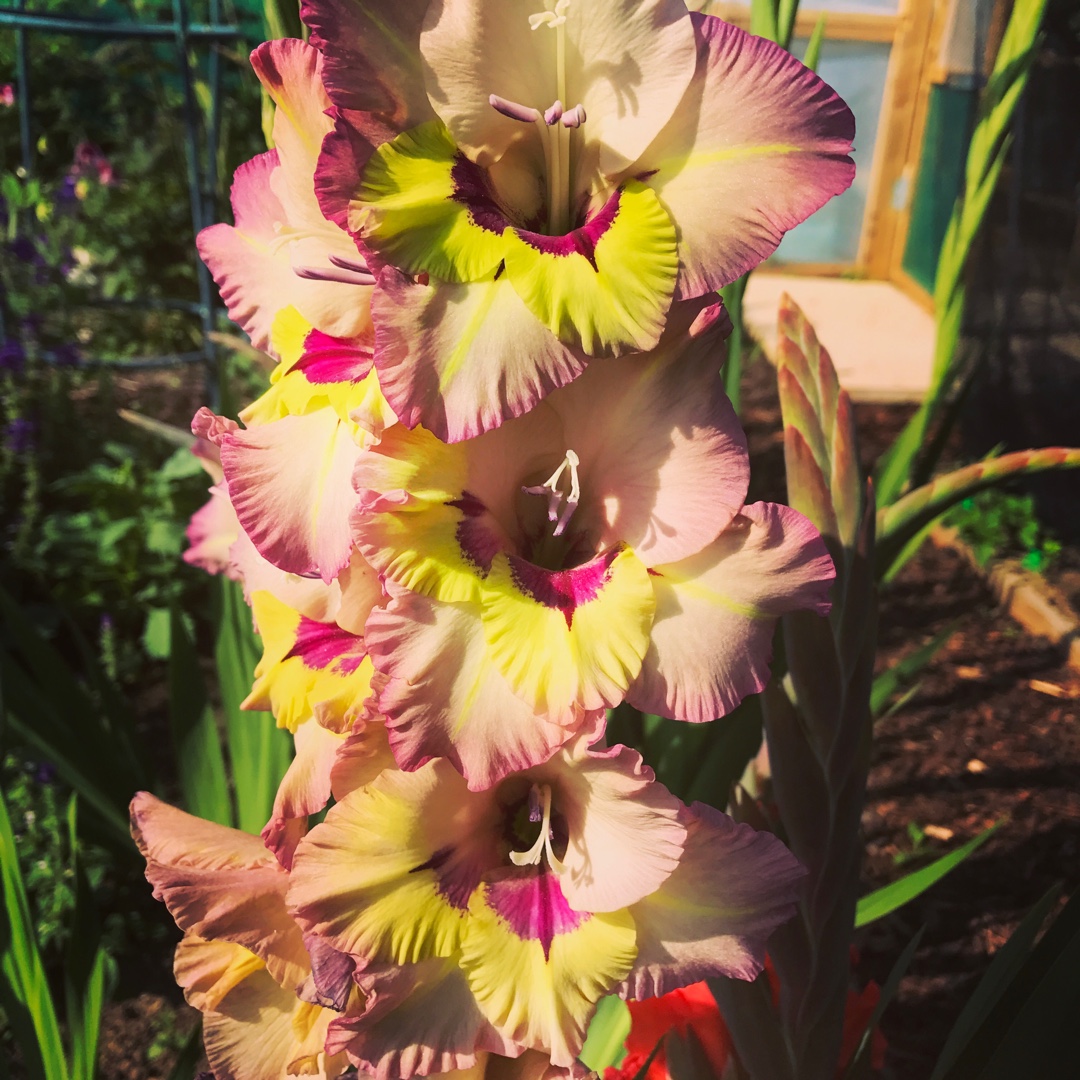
[(561, 506), (550, 18), (542, 846)]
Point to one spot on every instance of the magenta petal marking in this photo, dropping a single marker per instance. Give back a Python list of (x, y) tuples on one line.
[(565, 590), (472, 191), (478, 542), (533, 907), (322, 645), (581, 241), (331, 974), (459, 875), (328, 359)]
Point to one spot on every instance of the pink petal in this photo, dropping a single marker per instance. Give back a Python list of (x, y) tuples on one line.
[(310, 596), (364, 754), (758, 143), (442, 357), (421, 1019), (290, 72), (629, 63), (661, 449), (445, 698), (714, 914), (219, 883), (371, 56), (304, 790), (291, 485), (625, 833), (715, 613), (212, 531)]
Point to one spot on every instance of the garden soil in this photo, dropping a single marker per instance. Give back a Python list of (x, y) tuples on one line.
[(991, 735)]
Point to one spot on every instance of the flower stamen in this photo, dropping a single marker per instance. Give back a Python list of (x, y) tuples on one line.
[(513, 110), (561, 505), (343, 275), (540, 806)]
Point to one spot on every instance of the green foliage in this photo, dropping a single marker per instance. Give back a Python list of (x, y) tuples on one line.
[(105, 542), (905, 464), (46, 859), (607, 1033), (883, 901), (996, 523), (25, 993), (1021, 1020), (902, 524)]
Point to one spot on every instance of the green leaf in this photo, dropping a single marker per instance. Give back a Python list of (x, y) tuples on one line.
[(883, 901), (889, 682), (1030, 1031), (733, 367), (604, 1041), (1004, 967), (187, 1061), (87, 969), (813, 48), (905, 518), (156, 634), (259, 751), (24, 989), (199, 760), (733, 743)]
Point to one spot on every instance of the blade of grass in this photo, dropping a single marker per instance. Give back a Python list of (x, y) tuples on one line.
[(889, 682), (86, 967), (881, 902), (259, 751), (1004, 967), (199, 760), (24, 990)]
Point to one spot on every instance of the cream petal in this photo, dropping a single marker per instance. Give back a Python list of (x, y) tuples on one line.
[(445, 698), (219, 883), (663, 459), (714, 914), (625, 837), (716, 611), (758, 143), (627, 62)]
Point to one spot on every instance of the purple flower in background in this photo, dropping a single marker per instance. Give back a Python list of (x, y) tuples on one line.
[(65, 355), (19, 435), (7, 95), (23, 248), (12, 357), (45, 772), (67, 194)]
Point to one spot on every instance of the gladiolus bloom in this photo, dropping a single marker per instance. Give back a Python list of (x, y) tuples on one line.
[(510, 912), (596, 549), (536, 187)]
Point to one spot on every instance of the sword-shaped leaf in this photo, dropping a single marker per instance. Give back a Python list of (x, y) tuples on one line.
[(905, 518)]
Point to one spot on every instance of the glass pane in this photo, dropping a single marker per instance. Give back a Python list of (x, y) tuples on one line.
[(856, 71)]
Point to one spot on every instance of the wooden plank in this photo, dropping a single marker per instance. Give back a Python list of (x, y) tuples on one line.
[(931, 48), (900, 112)]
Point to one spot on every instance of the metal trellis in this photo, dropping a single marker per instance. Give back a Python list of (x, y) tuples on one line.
[(185, 36)]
